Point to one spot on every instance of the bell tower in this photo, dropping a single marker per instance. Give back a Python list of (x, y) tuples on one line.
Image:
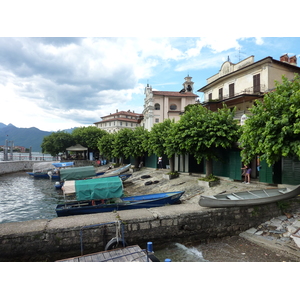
[(188, 85)]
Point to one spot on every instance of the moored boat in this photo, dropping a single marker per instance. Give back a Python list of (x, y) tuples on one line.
[(249, 198), (106, 195), (48, 169)]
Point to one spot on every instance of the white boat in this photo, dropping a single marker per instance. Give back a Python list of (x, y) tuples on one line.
[(249, 198)]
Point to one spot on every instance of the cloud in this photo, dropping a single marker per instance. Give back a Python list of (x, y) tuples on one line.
[(81, 79)]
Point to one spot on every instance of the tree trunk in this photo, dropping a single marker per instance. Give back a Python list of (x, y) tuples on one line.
[(172, 163), (209, 167), (137, 161)]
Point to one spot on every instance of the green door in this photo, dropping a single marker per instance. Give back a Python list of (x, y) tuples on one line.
[(235, 162), (221, 167), (265, 172), (290, 171)]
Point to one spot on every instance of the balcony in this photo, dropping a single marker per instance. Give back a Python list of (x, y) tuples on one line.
[(257, 90)]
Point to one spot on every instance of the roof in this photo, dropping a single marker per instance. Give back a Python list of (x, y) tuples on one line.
[(77, 147), (268, 58), (128, 113), (174, 94), (118, 119)]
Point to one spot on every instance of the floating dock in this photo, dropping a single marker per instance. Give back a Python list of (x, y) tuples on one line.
[(127, 254)]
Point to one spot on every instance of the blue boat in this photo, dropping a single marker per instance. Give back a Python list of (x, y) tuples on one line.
[(106, 195), (48, 170)]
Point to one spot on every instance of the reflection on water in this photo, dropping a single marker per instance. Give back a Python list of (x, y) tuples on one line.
[(24, 198)]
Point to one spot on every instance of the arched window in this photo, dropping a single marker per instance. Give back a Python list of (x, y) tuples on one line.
[(173, 107), (157, 106)]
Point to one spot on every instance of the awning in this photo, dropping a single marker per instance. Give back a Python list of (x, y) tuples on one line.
[(77, 147)]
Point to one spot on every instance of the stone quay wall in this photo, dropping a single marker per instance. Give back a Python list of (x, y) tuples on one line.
[(15, 166), (59, 238)]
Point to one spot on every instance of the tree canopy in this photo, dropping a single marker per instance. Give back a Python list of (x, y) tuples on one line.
[(200, 132), (161, 141), (88, 136), (57, 142), (273, 128)]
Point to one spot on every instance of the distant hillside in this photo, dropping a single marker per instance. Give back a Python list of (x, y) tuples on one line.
[(26, 137)]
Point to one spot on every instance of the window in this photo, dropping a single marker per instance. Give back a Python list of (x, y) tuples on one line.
[(210, 96), (157, 106), (156, 120), (220, 94), (256, 83), (120, 123), (173, 106), (231, 90)]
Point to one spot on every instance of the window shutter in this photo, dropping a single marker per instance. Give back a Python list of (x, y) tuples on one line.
[(256, 83)]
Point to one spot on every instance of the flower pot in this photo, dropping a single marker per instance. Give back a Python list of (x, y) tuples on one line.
[(169, 177)]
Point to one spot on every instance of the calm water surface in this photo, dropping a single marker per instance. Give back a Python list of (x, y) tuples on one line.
[(24, 198)]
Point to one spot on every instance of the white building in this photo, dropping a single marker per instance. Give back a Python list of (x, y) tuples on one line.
[(119, 120), (160, 105), (238, 85)]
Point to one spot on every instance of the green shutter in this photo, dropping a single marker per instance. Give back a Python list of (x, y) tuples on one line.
[(235, 162)]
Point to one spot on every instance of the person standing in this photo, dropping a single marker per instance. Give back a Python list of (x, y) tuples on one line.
[(160, 166), (247, 173)]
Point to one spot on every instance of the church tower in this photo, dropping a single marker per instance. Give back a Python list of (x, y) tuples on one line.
[(188, 85)]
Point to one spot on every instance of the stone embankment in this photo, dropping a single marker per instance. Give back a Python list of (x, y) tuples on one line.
[(15, 166), (49, 240)]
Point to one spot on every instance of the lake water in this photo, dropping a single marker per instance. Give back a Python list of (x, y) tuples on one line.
[(24, 198)]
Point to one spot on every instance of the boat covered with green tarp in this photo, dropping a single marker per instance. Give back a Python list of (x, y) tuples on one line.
[(96, 188), (78, 173)]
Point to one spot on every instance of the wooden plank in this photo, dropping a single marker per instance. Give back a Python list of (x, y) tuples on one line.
[(128, 254)]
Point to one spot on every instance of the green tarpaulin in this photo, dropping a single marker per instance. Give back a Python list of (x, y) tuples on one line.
[(77, 173), (99, 188)]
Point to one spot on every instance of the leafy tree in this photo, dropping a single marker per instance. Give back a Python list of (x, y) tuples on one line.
[(129, 143), (57, 142), (106, 145), (121, 146), (200, 132), (273, 128), (139, 144), (161, 141), (88, 136)]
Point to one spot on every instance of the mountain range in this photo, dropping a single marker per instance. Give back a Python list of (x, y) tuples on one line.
[(25, 137)]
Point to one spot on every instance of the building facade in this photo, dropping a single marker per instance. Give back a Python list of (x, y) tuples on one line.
[(162, 105), (238, 85), (119, 120)]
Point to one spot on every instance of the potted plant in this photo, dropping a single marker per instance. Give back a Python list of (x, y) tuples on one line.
[(209, 181), (171, 175)]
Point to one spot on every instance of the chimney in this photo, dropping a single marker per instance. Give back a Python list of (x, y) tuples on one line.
[(284, 58), (116, 110), (293, 60)]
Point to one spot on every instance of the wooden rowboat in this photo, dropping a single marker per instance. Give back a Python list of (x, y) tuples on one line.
[(249, 198)]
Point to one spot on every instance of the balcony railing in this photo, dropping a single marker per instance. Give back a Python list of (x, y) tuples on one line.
[(250, 91)]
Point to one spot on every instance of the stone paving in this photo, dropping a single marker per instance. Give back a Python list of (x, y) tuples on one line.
[(281, 233)]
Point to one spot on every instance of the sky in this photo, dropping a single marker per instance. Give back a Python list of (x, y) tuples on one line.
[(55, 79)]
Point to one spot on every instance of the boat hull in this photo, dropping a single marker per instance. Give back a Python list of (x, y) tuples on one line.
[(43, 175), (256, 197), (126, 203)]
